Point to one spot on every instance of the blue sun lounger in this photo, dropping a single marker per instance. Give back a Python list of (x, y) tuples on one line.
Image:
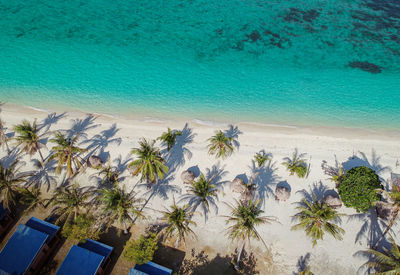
[(29, 247), (89, 258), (150, 269)]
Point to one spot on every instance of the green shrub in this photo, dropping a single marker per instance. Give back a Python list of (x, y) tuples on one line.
[(357, 188), (141, 251), (81, 229)]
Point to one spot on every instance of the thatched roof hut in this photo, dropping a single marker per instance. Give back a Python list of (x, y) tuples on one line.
[(384, 210), (333, 201), (282, 193), (246, 195), (238, 185), (94, 161), (187, 176)]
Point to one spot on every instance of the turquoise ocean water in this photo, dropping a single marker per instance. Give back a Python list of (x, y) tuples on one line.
[(306, 62)]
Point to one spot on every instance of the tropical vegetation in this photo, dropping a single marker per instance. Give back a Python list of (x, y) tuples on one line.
[(28, 138), (386, 262), (318, 218), (220, 145), (245, 217), (296, 165), (11, 180), (141, 251), (357, 188), (148, 163), (169, 138)]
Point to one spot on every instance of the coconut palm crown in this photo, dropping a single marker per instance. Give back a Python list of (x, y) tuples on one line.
[(220, 145), (386, 262), (202, 192), (149, 162), (10, 182), (169, 138), (394, 199), (70, 201), (245, 216), (121, 206), (28, 137), (318, 218), (296, 165), (67, 153), (178, 221)]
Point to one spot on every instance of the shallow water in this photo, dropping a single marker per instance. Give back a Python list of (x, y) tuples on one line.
[(292, 62)]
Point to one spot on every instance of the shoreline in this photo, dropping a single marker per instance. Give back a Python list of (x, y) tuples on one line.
[(325, 131), (375, 149)]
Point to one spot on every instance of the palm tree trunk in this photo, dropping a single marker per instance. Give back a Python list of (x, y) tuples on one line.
[(41, 156), (125, 228), (392, 221), (8, 148), (239, 255)]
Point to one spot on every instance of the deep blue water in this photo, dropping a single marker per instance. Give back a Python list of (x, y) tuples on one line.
[(294, 62)]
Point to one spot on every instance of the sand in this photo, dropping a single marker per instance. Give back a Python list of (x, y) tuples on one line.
[(117, 135)]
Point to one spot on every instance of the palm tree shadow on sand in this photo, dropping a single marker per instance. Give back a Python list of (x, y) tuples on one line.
[(178, 154), (200, 263), (233, 132), (43, 175), (302, 263), (99, 142), (81, 126), (263, 177), (50, 120), (363, 160)]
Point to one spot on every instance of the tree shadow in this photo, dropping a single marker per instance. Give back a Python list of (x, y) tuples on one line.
[(118, 243), (373, 163), (10, 158), (263, 177), (43, 174), (175, 158), (216, 173), (284, 184), (195, 169), (201, 264), (101, 141), (81, 126), (302, 263), (370, 229), (317, 189), (233, 132), (51, 119), (169, 257)]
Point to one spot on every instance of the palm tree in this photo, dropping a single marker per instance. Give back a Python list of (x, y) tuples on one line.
[(202, 192), (394, 200), (316, 218), (67, 153), (120, 206), (260, 158), (220, 145), (109, 174), (70, 201), (296, 164), (386, 262), (31, 198), (28, 137), (3, 136), (245, 216), (10, 182), (178, 220), (149, 162), (169, 138)]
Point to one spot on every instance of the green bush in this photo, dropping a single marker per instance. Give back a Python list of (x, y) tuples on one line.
[(141, 251), (81, 229), (357, 188)]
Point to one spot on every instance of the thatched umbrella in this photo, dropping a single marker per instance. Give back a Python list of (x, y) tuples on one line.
[(187, 176), (282, 193), (333, 201), (94, 161), (245, 196), (238, 185), (384, 210)]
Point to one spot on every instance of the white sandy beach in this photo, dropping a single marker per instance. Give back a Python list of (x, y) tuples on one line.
[(379, 150)]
